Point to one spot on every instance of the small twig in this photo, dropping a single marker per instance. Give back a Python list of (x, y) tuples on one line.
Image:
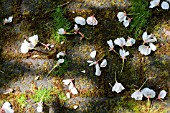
[(64, 4), (52, 69)]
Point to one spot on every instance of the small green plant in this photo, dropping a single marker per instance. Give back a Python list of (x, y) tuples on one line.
[(42, 95), (141, 15), (22, 100), (59, 21)]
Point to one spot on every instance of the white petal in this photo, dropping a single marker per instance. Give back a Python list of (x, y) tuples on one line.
[(71, 86), (84, 71), (144, 36), (162, 94), (67, 81), (40, 107), (7, 107), (118, 87), (34, 40), (80, 20), (126, 23), (60, 61), (148, 93), (60, 54), (137, 95), (104, 63), (93, 63), (76, 27), (9, 20), (168, 1), (75, 106), (68, 95), (110, 43), (93, 54), (152, 46), (154, 3), (165, 5), (98, 71), (121, 16), (74, 91), (92, 20), (90, 61), (61, 31)]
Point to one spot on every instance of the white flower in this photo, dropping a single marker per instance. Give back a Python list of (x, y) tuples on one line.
[(92, 21), (93, 54), (8, 20), (148, 93), (104, 63), (120, 41), (126, 22), (67, 81), (7, 107), (165, 5), (98, 71), (130, 41), (60, 61), (123, 53), (26, 46), (40, 107), (121, 16), (60, 54), (33, 40), (110, 43), (162, 94), (80, 20), (145, 50), (61, 31), (148, 38), (152, 46), (154, 3), (118, 87), (137, 95)]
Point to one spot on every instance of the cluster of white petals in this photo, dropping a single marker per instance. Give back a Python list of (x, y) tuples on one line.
[(118, 87), (7, 107), (26, 46), (123, 18), (123, 53), (94, 62), (164, 4), (137, 95), (71, 87), (148, 93), (147, 39), (8, 20), (130, 41), (90, 20)]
